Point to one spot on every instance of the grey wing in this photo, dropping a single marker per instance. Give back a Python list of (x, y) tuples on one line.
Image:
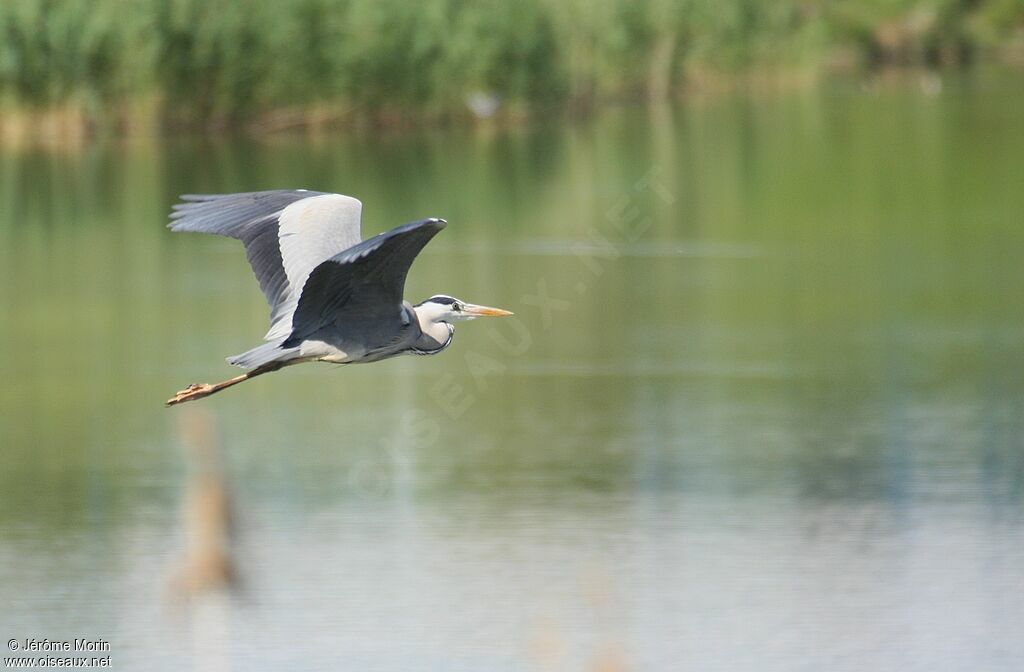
[(362, 285), (286, 234)]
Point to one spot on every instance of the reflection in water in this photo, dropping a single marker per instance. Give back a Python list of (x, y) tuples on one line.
[(206, 565), (763, 416), (199, 590)]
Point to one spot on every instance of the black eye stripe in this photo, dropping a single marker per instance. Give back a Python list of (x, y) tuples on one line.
[(443, 300)]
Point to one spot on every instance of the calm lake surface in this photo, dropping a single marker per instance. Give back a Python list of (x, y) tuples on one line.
[(760, 407)]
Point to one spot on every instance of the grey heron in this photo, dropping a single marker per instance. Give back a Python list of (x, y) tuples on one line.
[(333, 297)]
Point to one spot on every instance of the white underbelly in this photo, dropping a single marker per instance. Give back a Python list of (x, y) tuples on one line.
[(324, 352), (334, 359)]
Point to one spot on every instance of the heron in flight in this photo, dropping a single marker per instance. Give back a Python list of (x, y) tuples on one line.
[(333, 297)]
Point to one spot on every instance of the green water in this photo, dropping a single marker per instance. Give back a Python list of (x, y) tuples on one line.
[(760, 406)]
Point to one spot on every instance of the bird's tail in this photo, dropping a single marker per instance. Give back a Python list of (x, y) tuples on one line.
[(260, 355)]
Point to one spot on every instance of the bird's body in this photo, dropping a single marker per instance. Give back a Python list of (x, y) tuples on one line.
[(333, 297), (352, 341)]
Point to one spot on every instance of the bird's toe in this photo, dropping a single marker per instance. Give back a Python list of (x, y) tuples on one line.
[(193, 391)]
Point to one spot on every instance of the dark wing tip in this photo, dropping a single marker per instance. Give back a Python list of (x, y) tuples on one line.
[(434, 224), (431, 224)]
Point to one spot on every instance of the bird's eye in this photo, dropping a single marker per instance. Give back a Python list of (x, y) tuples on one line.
[(457, 307)]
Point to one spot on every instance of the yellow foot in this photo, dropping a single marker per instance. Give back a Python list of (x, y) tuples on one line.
[(193, 391)]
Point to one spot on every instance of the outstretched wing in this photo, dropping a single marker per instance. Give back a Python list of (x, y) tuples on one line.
[(363, 284), (286, 234)]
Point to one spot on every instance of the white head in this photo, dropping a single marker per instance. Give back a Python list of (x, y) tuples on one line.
[(442, 308)]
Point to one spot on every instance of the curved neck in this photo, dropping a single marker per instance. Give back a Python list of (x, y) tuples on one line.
[(434, 336)]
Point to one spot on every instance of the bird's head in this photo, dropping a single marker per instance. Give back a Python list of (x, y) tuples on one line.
[(442, 308)]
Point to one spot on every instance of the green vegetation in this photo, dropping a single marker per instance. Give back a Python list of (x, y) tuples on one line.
[(217, 62)]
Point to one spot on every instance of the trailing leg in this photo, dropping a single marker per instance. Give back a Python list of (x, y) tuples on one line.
[(200, 390)]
